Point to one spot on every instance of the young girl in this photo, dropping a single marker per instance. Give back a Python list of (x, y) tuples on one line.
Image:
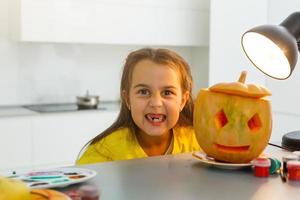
[(156, 112)]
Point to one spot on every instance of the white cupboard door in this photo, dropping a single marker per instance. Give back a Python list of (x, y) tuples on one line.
[(15, 143), (58, 138)]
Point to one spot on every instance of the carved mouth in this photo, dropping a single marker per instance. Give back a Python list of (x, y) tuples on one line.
[(232, 148)]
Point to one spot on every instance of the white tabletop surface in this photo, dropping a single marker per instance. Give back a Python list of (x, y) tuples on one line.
[(183, 177)]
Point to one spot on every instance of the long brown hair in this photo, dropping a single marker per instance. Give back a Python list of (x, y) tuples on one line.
[(159, 56)]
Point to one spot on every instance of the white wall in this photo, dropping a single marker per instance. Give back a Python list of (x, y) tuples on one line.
[(285, 96), (32, 73), (229, 20)]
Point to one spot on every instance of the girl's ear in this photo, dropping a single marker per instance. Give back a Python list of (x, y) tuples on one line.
[(184, 99), (125, 97)]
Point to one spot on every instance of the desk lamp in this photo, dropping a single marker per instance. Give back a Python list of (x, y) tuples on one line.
[(273, 49)]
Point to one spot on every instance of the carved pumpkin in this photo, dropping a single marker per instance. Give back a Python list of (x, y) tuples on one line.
[(233, 121)]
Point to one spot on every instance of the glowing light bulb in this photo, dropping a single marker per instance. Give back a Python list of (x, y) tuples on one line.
[(266, 55)]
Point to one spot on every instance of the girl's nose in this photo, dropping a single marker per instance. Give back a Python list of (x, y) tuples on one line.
[(155, 101)]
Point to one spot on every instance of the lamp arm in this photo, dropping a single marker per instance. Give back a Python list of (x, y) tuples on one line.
[(292, 24)]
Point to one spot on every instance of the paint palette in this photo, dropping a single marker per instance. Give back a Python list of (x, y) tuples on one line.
[(60, 177)]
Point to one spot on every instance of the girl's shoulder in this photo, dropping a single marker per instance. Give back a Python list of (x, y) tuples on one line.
[(117, 135), (119, 145), (113, 146), (183, 131)]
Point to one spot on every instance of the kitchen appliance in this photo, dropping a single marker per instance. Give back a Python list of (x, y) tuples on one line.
[(87, 102)]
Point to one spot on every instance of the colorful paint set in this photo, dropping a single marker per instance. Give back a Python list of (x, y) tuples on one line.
[(60, 177)]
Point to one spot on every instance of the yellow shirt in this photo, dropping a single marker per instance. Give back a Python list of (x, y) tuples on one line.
[(123, 145)]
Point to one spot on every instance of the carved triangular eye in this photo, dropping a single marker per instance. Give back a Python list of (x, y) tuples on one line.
[(254, 123), (220, 119)]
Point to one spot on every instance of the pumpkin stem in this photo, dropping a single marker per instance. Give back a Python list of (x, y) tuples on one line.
[(243, 77)]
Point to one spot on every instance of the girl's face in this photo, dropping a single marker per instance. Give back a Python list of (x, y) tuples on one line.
[(155, 98)]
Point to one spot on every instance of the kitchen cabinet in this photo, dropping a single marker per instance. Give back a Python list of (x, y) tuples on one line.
[(48, 140), (15, 142), (57, 139), (139, 22)]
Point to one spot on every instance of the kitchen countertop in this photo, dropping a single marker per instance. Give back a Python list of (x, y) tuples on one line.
[(8, 111), (21, 110)]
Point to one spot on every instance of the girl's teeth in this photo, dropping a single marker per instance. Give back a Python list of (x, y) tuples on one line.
[(157, 118)]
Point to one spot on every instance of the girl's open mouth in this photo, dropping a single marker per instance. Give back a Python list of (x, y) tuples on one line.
[(155, 118)]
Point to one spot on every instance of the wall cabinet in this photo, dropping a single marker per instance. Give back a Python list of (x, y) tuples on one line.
[(141, 22), (48, 140)]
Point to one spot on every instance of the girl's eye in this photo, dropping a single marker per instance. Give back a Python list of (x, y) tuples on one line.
[(143, 92), (168, 93)]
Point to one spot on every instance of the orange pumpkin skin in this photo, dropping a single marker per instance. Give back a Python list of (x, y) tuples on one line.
[(232, 128)]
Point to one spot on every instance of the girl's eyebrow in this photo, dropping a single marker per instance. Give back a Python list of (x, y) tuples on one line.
[(170, 87), (147, 86), (141, 85)]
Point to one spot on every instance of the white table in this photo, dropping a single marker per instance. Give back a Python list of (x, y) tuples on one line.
[(184, 177)]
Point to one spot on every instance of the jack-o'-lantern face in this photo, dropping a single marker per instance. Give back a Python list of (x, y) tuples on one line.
[(232, 126)]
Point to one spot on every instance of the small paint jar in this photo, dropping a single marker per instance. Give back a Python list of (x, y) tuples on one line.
[(89, 192), (293, 167), (73, 194), (261, 167), (287, 158)]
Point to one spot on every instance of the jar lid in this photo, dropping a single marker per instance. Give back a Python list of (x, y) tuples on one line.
[(289, 157), (297, 153), (291, 141), (73, 194), (262, 162), (88, 191), (295, 164)]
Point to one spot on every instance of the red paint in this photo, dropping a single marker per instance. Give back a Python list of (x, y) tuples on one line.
[(261, 167), (293, 170)]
